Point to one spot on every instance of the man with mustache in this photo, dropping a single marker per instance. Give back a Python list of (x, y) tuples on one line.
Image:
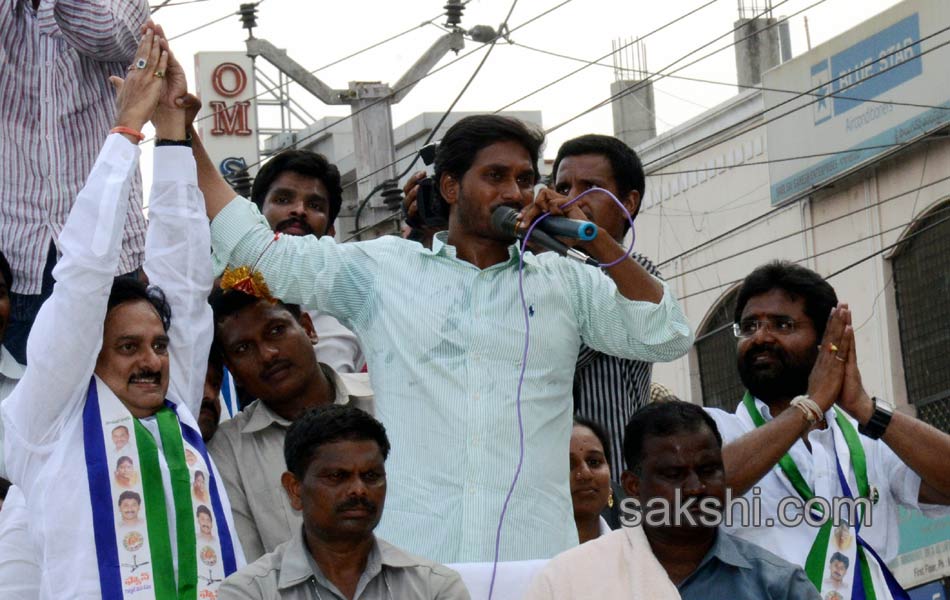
[(268, 348), (673, 456), (336, 478), (123, 361), (299, 193), (808, 428)]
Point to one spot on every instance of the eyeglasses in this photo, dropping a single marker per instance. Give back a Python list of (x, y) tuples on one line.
[(778, 326)]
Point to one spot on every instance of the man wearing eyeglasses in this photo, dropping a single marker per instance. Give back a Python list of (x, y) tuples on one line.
[(807, 431)]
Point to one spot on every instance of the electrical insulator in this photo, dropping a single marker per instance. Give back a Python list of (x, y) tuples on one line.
[(482, 34), (453, 13), (392, 194), (248, 14), (241, 183)]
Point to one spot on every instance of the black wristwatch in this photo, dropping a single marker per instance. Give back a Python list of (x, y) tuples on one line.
[(185, 142), (880, 419)]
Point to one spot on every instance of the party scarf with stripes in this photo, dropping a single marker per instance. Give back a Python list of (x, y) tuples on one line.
[(130, 511)]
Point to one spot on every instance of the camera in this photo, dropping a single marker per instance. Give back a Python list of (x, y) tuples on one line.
[(433, 211)]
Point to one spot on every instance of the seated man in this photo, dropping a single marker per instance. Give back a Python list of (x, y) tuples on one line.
[(673, 456), (268, 349), (104, 352), (807, 428), (299, 193), (336, 478)]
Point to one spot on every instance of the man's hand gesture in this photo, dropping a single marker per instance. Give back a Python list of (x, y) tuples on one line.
[(138, 94)]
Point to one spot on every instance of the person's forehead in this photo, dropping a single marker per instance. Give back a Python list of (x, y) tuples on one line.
[(252, 317), (775, 302), (347, 454), (135, 318), (583, 439), (679, 446), (508, 153), (292, 180), (585, 166)]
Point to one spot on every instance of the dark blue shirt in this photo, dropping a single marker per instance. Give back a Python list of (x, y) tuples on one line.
[(740, 570)]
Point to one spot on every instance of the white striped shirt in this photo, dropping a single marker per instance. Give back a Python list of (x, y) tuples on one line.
[(58, 107), (609, 389), (444, 341)]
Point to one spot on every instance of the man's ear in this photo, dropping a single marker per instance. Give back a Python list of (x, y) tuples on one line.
[(449, 188), (632, 202), (331, 231), (631, 483), (307, 323), (292, 487)]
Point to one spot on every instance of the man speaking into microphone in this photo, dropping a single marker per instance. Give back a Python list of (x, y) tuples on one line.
[(444, 331)]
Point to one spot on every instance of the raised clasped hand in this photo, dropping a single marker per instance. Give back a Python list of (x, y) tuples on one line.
[(138, 94), (827, 375)]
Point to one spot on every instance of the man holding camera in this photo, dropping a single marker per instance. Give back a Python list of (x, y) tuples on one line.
[(444, 336)]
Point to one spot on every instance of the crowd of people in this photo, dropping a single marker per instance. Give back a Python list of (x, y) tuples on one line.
[(409, 411)]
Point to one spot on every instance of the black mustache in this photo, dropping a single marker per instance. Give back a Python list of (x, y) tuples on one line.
[(758, 349), (356, 503), (155, 376), (269, 369), (293, 221)]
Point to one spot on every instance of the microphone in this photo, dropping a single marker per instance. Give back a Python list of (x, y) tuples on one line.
[(564, 227), (570, 228), (504, 220)]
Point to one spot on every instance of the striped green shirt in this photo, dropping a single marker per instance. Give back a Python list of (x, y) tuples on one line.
[(443, 341)]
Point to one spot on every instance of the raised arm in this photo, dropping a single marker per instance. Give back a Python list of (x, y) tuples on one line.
[(67, 334), (102, 30), (922, 447), (177, 247)]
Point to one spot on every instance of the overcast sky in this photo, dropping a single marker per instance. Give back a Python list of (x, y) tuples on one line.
[(317, 33)]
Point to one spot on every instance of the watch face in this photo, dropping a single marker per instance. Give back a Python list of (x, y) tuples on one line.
[(884, 405)]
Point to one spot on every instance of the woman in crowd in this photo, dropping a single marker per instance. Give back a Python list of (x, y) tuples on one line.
[(590, 478)]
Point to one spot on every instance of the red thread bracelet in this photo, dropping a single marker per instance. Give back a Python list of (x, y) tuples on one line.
[(128, 131)]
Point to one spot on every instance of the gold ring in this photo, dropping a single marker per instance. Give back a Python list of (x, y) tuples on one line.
[(832, 348), (159, 74)]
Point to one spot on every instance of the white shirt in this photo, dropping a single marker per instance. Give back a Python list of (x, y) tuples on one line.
[(336, 346), (10, 373), (894, 480), (43, 415), (19, 573)]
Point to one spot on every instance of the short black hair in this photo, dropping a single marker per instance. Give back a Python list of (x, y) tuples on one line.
[(624, 162), (463, 141), (129, 289), (202, 509), (837, 556), (123, 459), (4, 488), (796, 281), (327, 424), (202, 473), (129, 495), (6, 271), (225, 303), (598, 431), (302, 162), (663, 419)]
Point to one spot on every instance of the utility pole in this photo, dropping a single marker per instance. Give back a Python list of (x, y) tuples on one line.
[(371, 108)]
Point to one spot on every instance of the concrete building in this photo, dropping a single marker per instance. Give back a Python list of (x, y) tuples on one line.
[(851, 179)]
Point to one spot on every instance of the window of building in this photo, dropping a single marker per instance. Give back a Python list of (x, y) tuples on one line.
[(716, 352), (922, 288)]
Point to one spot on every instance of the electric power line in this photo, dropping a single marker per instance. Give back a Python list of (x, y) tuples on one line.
[(596, 62), (445, 115), (810, 228), (844, 269), (800, 95)]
